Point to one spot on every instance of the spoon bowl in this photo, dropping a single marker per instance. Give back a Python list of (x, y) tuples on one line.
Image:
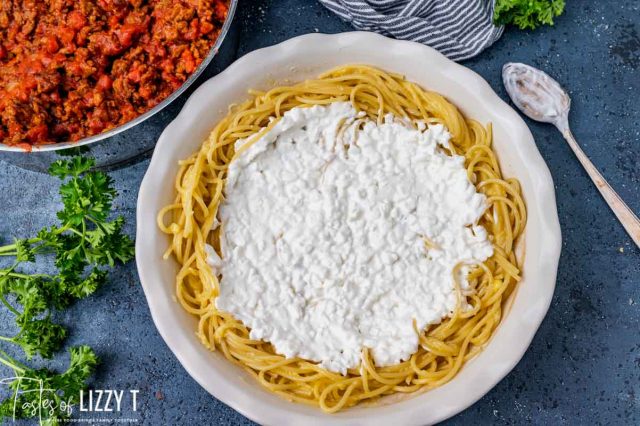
[(536, 94)]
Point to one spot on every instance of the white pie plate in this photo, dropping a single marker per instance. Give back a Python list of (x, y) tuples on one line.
[(305, 57)]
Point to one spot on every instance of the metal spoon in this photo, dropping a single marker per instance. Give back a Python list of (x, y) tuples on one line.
[(541, 98)]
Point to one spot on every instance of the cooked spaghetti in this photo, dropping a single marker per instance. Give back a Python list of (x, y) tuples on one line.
[(444, 347)]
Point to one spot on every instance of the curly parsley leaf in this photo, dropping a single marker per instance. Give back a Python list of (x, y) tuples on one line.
[(24, 251), (527, 14), (29, 291), (40, 335), (82, 364), (87, 197), (109, 244), (87, 286), (72, 167)]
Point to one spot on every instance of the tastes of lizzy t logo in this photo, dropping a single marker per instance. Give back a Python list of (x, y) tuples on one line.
[(30, 399)]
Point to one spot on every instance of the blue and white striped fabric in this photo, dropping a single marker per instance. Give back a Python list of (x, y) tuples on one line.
[(459, 29)]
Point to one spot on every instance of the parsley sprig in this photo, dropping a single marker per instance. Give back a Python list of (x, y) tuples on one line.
[(527, 14), (42, 393), (82, 246)]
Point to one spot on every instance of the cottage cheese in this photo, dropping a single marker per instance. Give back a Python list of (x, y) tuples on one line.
[(325, 223)]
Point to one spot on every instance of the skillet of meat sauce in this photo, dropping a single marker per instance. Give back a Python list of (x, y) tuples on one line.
[(75, 68)]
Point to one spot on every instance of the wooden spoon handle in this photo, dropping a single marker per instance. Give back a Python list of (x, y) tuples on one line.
[(626, 216)]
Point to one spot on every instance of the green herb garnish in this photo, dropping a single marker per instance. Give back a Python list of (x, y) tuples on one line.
[(83, 243), (45, 394), (527, 14), (82, 246)]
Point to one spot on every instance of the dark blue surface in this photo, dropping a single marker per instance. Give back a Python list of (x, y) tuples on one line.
[(583, 367)]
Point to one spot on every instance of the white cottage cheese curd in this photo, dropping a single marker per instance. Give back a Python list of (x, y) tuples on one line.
[(323, 239)]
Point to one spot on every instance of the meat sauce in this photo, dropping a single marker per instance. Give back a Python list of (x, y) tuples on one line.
[(75, 68)]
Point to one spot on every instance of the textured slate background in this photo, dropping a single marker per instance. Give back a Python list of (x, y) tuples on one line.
[(584, 364)]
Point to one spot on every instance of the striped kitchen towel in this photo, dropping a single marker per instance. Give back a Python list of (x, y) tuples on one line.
[(459, 29)]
